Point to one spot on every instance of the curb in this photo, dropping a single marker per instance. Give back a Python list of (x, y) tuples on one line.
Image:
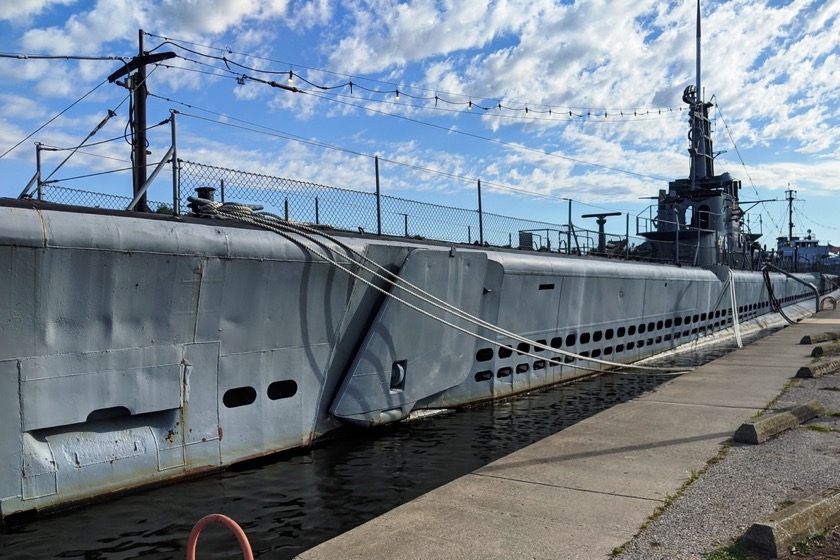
[(819, 337), (760, 430), (778, 532), (819, 369), (825, 350)]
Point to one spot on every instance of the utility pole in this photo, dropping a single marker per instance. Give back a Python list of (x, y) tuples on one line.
[(140, 95), (136, 83)]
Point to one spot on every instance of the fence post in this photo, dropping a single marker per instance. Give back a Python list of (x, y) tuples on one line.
[(176, 167), (480, 218), (469, 235), (627, 239), (569, 230), (286, 208), (405, 219), (38, 170), (222, 189), (317, 220), (379, 200)]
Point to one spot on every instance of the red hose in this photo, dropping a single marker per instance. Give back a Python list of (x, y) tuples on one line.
[(244, 545)]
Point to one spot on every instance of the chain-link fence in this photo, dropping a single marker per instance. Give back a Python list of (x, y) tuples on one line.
[(90, 199), (350, 210)]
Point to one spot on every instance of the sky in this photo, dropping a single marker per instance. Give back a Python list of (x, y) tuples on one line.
[(543, 101)]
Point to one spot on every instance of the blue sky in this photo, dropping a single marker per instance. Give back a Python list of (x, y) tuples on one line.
[(772, 67)]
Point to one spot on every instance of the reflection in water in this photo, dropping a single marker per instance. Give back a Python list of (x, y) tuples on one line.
[(295, 501)]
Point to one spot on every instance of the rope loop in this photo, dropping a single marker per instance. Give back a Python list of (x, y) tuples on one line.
[(244, 545)]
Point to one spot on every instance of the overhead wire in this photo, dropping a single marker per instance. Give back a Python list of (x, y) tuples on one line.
[(465, 100), (40, 128)]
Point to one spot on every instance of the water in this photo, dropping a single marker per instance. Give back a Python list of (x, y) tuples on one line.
[(295, 501)]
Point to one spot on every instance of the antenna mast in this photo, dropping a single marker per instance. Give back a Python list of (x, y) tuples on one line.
[(790, 194), (699, 91)]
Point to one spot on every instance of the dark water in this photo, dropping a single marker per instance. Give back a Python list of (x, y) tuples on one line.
[(299, 500)]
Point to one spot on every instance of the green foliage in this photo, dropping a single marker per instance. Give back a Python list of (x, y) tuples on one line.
[(732, 552)]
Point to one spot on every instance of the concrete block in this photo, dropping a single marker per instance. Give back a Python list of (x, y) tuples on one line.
[(819, 369), (777, 533), (820, 337), (760, 430), (825, 350)]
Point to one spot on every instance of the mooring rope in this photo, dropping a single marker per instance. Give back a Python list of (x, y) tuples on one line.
[(271, 222)]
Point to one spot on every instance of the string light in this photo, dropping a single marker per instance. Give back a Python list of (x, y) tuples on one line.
[(527, 110)]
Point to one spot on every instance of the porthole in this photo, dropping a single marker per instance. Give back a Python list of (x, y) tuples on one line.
[(282, 390), (505, 352), (619, 348), (539, 364), (631, 345), (557, 342), (651, 326), (504, 372), (570, 340), (609, 333), (522, 368), (537, 348), (642, 328), (678, 321), (596, 353), (668, 323), (621, 332), (631, 330), (240, 396), (659, 325), (597, 336), (702, 317), (522, 347), (658, 339), (608, 350), (484, 355), (584, 338)]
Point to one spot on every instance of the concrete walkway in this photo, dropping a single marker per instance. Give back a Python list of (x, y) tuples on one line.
[(589, 488)]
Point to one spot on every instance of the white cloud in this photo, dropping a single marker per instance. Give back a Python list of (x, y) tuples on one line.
[(22, 10)]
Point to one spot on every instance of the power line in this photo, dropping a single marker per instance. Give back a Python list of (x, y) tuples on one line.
[(40, 128)]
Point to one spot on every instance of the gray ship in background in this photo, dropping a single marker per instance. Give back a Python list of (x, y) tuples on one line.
[(137, 348)]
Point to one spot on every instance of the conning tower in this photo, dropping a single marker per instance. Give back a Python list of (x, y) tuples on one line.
[(698, 219)]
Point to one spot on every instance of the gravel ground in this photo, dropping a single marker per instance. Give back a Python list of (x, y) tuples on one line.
[(750, 483)]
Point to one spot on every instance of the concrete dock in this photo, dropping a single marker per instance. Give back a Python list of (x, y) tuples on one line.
[(588, 489)]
